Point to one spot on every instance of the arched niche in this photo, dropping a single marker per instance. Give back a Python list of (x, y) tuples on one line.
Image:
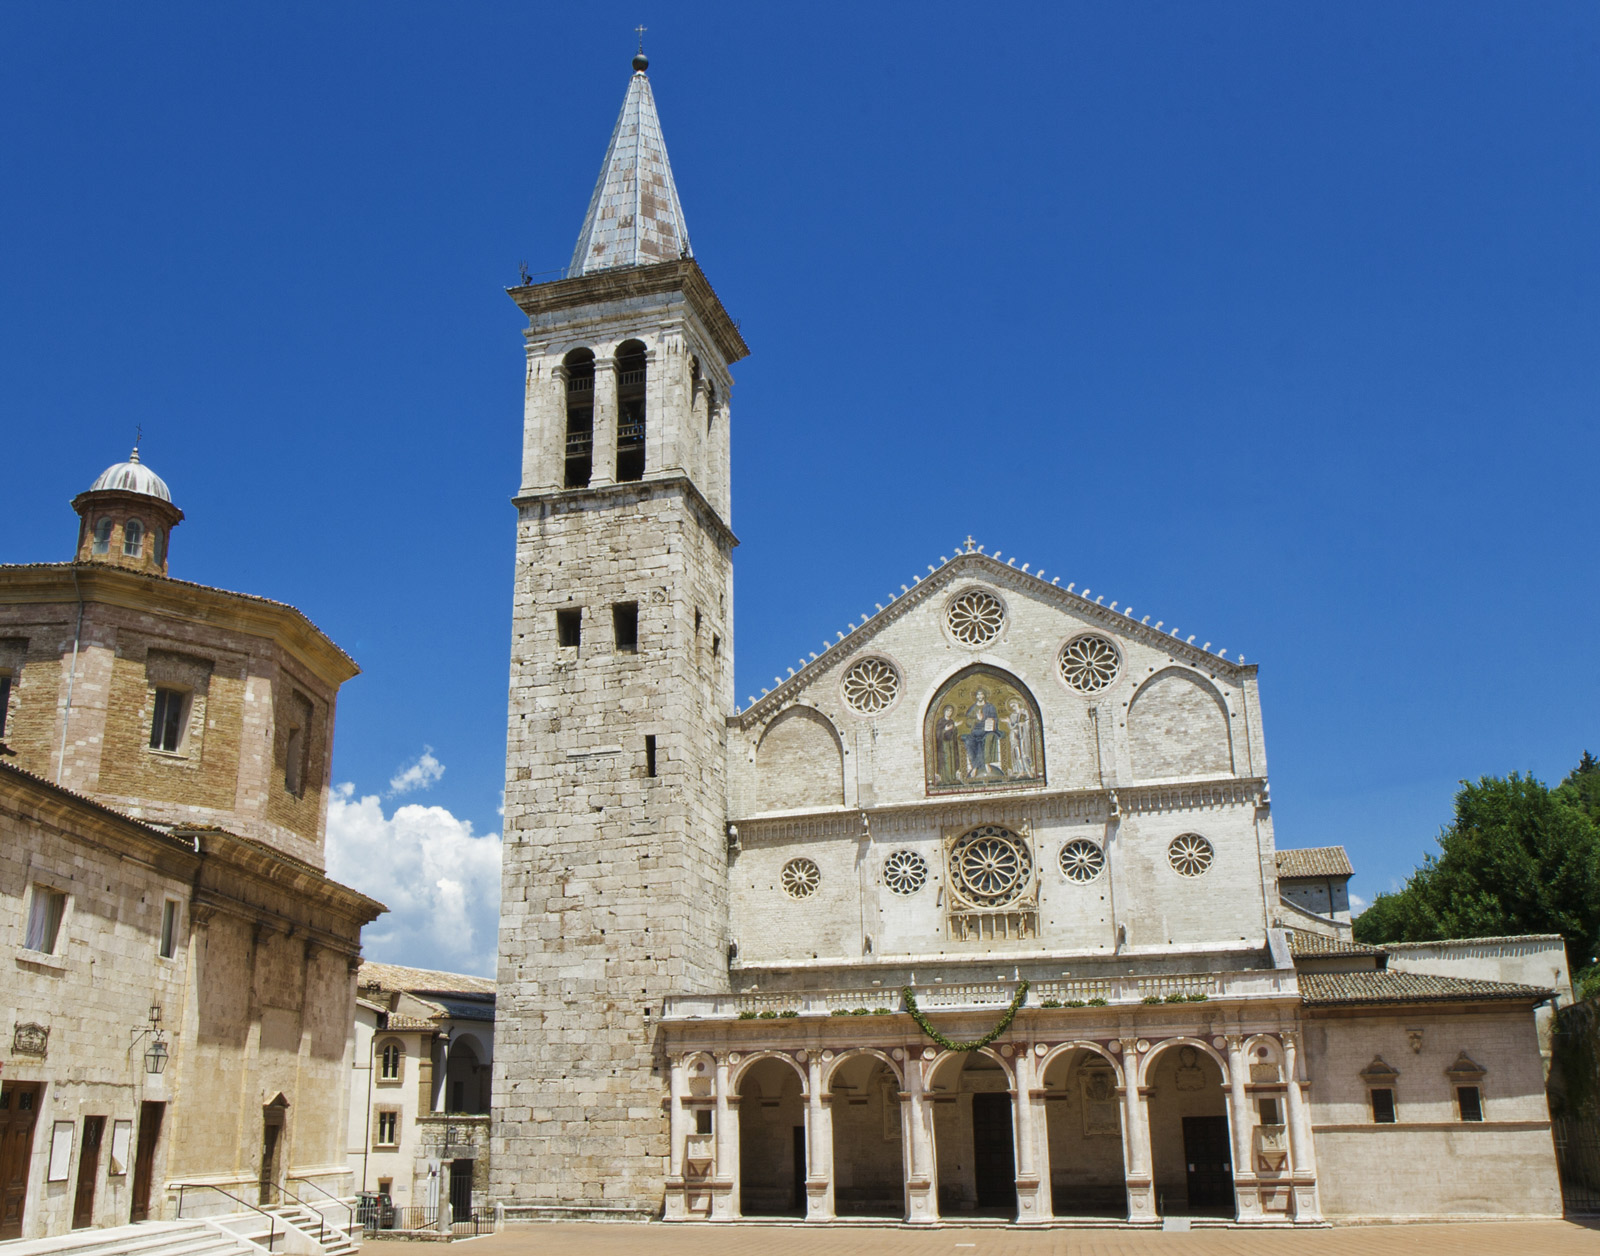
[(982, 732), (799, 763), (1178, 726)]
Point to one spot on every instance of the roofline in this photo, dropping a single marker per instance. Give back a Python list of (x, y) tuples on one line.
[(62, 794), (965, 564), (287, 626)]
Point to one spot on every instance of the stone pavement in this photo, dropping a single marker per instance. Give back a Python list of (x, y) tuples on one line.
[(1544, 1238)]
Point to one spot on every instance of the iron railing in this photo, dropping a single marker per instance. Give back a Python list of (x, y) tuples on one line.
[(272, 1221), (1578, 1160)]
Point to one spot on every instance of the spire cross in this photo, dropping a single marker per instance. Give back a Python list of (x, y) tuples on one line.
[(970, 542), (640, 30)]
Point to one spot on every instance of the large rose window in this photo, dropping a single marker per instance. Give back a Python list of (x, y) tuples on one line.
[(991, 866)]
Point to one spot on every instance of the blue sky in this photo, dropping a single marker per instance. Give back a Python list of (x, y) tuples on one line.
[(1278, 322)]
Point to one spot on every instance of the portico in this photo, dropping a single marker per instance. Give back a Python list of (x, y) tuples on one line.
[(1126, 1111)]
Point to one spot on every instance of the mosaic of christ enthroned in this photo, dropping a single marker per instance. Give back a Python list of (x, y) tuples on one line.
[(982, 732)]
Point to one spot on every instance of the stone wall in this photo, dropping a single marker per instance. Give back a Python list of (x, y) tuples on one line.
[(1430, 1163)]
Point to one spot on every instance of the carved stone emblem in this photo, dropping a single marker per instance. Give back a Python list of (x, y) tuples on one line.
[(1189, 1076), (30, 1039)]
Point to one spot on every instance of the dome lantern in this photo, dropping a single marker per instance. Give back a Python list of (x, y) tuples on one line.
[(126, 517)]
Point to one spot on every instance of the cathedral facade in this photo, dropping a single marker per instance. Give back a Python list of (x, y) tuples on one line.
[(977, 913)]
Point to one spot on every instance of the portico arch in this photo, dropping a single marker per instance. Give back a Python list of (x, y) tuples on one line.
[(863, 1091), (771, 1091), (1190, 1138), (975, 1143), (1082, 1085)]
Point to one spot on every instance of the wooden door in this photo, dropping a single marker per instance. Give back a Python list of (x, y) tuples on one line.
[(144, 1160), (94, 1128), (19, 1109), (1208, 1163), (992, 1152)]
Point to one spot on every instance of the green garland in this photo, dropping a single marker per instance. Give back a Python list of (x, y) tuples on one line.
[(1001, 1026)]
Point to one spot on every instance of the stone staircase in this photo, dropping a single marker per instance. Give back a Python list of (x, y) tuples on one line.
[(148, 1238), (334, 1239)]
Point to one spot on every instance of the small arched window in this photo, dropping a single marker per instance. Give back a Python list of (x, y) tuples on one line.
[(102, 535), (389, 1061), (630, 410), (133, 538), (579, 365)]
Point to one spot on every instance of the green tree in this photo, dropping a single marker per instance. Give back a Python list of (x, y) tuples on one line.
[(1519, 857)]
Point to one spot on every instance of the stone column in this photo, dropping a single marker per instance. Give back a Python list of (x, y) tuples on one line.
[(819, 1144), (1302, 1156), (1041, 1136), (1246, 1198), (544, 440), (1028, 1209), (604, 462), (1136, 1139), (922, 1198), (725, 1176), (676, 1207)]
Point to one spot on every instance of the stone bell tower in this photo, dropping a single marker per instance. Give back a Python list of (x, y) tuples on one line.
[(614, 884)]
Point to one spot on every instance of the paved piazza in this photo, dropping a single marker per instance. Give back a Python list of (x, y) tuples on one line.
[(1547, 1238)]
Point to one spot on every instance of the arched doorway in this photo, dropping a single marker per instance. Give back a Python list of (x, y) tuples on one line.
[(974, 1142), (868, 1142), (772, 1141), (1083, 1119), (1189, 1137)]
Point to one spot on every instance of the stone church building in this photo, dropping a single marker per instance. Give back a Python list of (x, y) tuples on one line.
[(1035, 817), (179, 990)]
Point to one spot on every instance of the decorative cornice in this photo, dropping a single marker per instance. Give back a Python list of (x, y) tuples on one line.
[(630, 282), (565, 500), (975, 564), (1095, 804)]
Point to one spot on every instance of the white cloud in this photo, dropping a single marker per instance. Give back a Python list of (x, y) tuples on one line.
[(419, 775), (440, 880), (1358, 905)]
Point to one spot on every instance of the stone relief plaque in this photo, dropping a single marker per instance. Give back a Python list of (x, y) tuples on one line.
[(30, 1039), (982, 733), (1099, 1091)]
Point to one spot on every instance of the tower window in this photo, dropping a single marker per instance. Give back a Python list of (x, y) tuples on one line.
[(168, 722), (650, 754), (630, 410), (102, 536), (580, 418), (297, 744), (625, 623), (569, 627), (169, 928), (1469, 1101), (1383, 1105), (133, 538)]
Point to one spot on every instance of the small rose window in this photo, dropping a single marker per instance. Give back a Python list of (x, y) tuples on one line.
[(1089, 663), (905, 872), (975, 617), (1190, 855), (800, 878), (870, 686), (1082, 861)]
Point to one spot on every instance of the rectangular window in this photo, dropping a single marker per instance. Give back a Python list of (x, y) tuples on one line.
[(166, 726), (297, 744), (1469, 1100), (702, 1120), (625, 621), (44, 919), (388, 1129), (5, 701), (569, 627), (650, 754), (1269, 1112), (1382, 1105), (169, 929)]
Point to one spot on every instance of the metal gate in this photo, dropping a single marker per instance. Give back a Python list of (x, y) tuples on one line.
[(1578, 1158)]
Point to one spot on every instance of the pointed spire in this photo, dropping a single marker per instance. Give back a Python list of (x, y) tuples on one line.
[(634, 217)]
